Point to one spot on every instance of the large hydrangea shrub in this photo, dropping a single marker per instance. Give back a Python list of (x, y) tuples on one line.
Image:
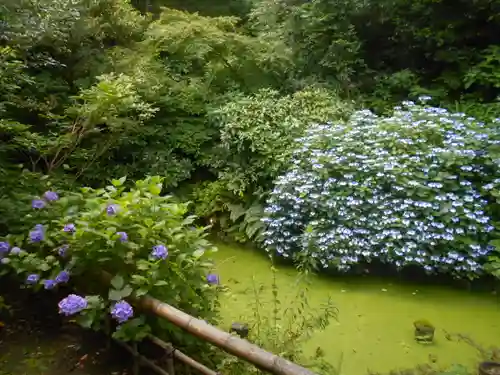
[(413, 188), (144, 241)]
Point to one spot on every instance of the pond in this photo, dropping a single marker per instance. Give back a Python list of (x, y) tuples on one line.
[(374, 330)]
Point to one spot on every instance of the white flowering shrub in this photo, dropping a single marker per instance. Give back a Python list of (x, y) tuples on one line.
[(412, 188)]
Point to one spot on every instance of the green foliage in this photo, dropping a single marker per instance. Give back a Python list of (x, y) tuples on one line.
[(257, 136), (145, 241), (258, 133), (284, 331), (63, 46), (213, 53), (93, 88), (100, 117), (389, 49), (320, 35)]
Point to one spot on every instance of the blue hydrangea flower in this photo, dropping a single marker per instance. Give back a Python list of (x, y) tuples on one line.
[(159, 252), (212, 278), (112, 209), (37, 203), (122, 236), (62, 277), (49, 284), (37, 234), (69, 228), (63, 250), (405, 188), (4, 247), (15, 250), (72, 304), (122, 311), (32, 279), (51, 196)]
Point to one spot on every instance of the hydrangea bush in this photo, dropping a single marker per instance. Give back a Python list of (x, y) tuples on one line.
[(145, 241), (413, 188)]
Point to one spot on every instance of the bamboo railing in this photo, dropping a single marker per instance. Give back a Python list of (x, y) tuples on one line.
[(232, 344), (224, 340)]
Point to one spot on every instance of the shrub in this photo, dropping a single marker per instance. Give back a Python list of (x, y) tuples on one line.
[(412, 188), (258, 134), (144, 240)]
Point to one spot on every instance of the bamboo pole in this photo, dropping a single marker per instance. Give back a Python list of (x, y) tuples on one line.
[(183, 357), (229, 343)]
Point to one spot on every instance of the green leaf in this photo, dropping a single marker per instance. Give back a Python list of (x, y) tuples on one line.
[(198, 253), (138, 279), (119, 182), (117, 282), (115, 295), (126, 292), (236, 210), (141, 292), (43, 267), (85, 320), (143, 266), (155, 189), (161, 283)]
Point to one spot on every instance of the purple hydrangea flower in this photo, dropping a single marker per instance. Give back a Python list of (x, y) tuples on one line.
[(51, 196), (159, 252), (122, 311), (15, 250), (62, 277), (212, 278), (72, 304), (112, 209), (69, 228), (32, 279), (37, 234), (62, 250), (4, 247), (37, 203), (122, 236), (49, 284)]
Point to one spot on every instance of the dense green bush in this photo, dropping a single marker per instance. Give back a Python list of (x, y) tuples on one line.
[(413, 188), (386, 50), (93, 87), (145, 241), (257, 136)]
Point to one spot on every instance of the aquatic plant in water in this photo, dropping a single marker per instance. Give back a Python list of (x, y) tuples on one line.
[(411, 188)]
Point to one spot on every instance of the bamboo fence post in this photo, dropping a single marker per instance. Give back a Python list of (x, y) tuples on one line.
[(170, 360)]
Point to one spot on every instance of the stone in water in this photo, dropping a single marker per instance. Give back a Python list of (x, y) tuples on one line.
[(241, 329)]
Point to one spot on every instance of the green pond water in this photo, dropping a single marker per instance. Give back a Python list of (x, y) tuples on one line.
[(374, 330)]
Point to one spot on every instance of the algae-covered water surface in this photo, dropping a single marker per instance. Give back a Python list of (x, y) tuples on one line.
[(375, 329)]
